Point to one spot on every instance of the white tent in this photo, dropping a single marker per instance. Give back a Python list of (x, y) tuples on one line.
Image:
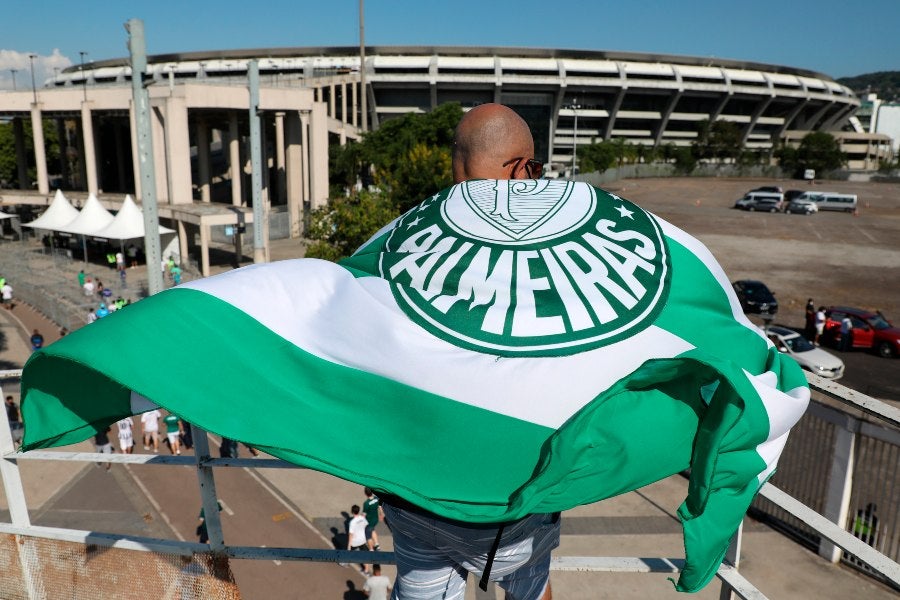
[(3, 215), (92, 217), (127, 224), (59, 214)]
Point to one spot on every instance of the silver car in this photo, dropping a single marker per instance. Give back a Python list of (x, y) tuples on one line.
[(802, 206), (808, 356)]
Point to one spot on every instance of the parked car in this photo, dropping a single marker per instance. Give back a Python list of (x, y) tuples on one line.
[(755, 297), (807, 355), (791, 194), (762, 201), (801, 206), (870, 330)]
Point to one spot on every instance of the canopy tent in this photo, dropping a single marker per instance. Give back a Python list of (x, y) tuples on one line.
[(127, 224), (92, 217), (58, 215), (3, 215)]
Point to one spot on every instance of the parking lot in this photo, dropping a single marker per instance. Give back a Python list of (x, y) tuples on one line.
[(834, 258)]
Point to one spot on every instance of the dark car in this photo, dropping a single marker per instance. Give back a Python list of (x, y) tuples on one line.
[(755, 297), (870, 330), (791, 194)]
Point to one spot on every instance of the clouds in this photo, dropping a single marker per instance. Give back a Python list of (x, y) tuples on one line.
[(45, 67)]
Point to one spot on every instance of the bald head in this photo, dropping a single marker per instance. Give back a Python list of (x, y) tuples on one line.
[(488, 136)]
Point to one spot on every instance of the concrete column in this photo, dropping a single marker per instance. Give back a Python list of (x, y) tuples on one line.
[(277, 194), (204, 250), (840, 483), (332, 112), (21, 157), (234, 159), (182, 240), (120, 153), (158, 132), (294, 173), (344, 103), (203, 160), (90, 151), (40, 153), (63, 145), (318, 156), (304, 155), (178, 144), (135, 159), (353, 92)]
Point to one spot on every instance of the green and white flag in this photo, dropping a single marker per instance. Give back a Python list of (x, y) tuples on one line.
[(509, 347)]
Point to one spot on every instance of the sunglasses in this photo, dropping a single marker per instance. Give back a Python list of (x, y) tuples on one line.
[(533, 168)]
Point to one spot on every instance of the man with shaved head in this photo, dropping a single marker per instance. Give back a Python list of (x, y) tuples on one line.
[(434, 554), (493, 142)]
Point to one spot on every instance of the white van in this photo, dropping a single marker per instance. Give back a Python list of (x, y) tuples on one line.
[(832, 200)]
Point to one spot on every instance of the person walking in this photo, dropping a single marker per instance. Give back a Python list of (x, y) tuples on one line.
[(6, 294), (125, 429), (378, 587), (372, 509), (101, 442), (356, 534), (37, 341), (174, 429), (150, 426)]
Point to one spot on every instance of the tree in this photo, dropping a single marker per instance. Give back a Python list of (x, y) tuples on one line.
[(347, 223), (720, 140), (596, 157), (405, 160), (820, 150), (8, 167)]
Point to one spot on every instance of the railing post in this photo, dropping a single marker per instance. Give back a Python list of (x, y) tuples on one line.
[(840, 483), (732, 557), (208, 496), (18, 511)]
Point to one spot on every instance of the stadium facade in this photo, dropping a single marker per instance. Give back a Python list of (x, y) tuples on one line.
[(311, 97)]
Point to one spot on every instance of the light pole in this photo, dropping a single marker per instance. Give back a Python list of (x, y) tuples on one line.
[(364, 108), (83, 78), (575, 108), (31, 57), (14, 71)]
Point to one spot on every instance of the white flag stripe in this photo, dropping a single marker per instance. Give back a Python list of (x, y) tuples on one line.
[(311, 296), (703, 254)]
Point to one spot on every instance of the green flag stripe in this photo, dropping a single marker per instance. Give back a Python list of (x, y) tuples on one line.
[(288, 390)]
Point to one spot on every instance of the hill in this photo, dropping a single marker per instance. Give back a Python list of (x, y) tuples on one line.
[(884, 83)]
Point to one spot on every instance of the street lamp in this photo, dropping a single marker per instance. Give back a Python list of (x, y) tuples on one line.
[(14, 71), (83, 78), (575, 108), (31, 57)]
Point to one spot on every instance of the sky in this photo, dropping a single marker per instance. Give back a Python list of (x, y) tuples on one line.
[(831, 37)]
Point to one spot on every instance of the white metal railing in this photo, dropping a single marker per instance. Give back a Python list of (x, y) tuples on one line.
[(731, 581)]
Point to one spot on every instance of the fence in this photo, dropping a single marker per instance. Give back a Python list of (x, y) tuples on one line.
[(856, 487), (40, 559)]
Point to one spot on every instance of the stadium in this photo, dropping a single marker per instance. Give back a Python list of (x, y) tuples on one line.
[(312, 97)]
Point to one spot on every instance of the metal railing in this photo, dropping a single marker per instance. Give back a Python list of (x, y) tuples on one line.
[(832, 533)]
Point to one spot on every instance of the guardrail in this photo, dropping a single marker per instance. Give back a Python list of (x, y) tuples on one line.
[(732, 582)]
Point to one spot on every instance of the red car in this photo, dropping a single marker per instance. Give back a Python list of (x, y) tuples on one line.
[(870, 330)]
